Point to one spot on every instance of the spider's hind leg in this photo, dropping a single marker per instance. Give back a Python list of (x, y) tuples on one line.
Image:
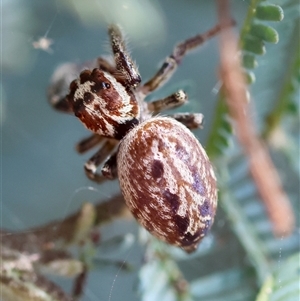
[(174, 100), (190, 120), (86, 144), (108, 170)]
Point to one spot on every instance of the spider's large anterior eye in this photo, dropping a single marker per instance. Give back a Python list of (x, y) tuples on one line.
[(105, 85)]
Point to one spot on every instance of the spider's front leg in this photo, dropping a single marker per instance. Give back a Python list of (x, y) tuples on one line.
[(60, 84), (124, 64), (170, 64)]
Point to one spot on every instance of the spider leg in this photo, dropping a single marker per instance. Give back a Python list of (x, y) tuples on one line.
[(124, 63), (91, 165), (61, 104), (88, 143), (60, 84), (171, 62), (106, 66), (172, 101), (56, 94), (109, 169), (190, 120)]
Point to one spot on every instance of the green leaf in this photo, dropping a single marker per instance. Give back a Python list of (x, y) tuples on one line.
[(284, 284), (226, 126), (213, 147), (250, 77), (222, 141), (266, 289), (286, 102), (249, 61), (160, 277), (229, 285), (254, 45), (231, 202), (264, 32), (269, 12)]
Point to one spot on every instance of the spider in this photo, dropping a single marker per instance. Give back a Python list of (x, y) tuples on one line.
[(165, 175), (110, 99)]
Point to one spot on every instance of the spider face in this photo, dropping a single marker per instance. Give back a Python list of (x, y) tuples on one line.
[(103, 104), (165, 175)]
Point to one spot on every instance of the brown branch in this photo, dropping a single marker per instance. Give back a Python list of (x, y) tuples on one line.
[(261, 167), (65, 231), (41, 245)]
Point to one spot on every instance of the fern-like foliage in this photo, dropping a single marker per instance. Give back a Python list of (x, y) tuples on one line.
[(160, 276), (257, 30), (238, 194), (287, 102), (256, 33)]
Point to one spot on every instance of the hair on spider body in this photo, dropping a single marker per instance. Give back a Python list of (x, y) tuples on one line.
[(165, 175)]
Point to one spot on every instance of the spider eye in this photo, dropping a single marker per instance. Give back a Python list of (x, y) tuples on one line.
[(105, 85)]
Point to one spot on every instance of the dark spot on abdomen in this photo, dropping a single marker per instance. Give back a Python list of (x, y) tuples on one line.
[(182, 223), (190, 239), (172, 199), (157, 169), (205, 209), (198, 184), (181, 153)]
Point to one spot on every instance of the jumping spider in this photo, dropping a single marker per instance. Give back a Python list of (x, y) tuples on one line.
[(165, 175), (110, 99)]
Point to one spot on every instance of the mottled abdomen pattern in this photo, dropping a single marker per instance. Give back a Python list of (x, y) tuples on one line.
[(168, 182)]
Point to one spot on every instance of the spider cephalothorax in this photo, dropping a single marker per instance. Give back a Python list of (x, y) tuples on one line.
[(165, 175), (103, 104)]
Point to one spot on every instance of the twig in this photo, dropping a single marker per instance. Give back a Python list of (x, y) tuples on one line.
[(64, 232), (261, 167), (24, 255)]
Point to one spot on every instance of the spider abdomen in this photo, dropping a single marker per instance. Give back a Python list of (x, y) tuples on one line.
[(167, 181)]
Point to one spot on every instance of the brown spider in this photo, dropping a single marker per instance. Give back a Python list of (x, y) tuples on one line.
[(110, 100), (164, 173)]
